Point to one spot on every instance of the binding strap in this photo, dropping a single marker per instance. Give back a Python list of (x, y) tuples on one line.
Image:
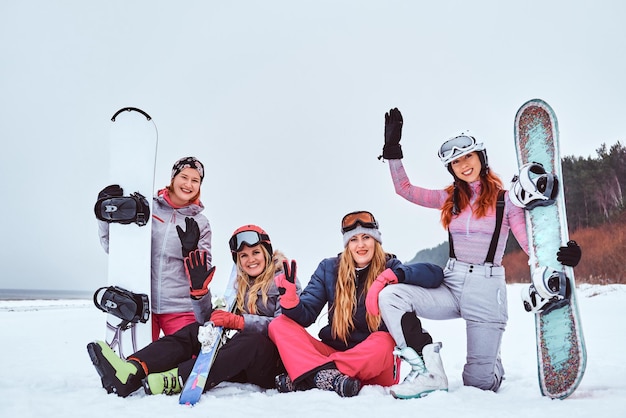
[(123, 209), (130, 307)]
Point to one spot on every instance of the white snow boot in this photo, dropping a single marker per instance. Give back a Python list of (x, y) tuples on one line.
[(426, 375)]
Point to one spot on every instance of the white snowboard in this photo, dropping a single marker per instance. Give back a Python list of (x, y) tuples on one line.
[(133, 146)]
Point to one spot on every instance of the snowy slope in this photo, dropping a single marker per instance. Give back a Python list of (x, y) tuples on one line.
[(47, 372)]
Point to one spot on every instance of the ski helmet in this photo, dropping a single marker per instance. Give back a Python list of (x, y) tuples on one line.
[(249, 235), (459, 146), (533, 187)]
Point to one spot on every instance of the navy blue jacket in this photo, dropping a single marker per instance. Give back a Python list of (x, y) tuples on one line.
[(321, 291)]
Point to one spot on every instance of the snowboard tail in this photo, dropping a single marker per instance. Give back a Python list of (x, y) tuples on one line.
[(561, 352)]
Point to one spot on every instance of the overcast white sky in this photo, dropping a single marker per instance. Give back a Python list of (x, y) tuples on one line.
[(283, 101)]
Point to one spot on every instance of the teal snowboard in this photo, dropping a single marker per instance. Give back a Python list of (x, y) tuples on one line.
[(561, 350)]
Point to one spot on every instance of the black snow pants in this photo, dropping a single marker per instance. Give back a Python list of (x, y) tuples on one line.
[(248, 357)]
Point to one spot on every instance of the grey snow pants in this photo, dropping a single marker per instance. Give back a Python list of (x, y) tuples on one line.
[(474, 292)]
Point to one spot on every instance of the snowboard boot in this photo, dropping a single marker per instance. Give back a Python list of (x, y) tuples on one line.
[(426, 375), (333, 379), (117, 375), (284, 383), (167, 383)]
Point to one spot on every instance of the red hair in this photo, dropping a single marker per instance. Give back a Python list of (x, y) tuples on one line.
[(490, 185)]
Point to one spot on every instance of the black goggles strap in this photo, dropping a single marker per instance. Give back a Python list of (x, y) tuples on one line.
[(249, 238)]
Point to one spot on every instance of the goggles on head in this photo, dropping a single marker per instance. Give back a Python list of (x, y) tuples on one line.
[(249, 238), (353, 219), (457, 147)]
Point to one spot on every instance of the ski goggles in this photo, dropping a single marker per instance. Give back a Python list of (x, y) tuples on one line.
[(457, 147), (248, 238), (354, 219)]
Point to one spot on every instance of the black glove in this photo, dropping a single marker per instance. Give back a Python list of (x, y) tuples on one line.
[(570, 255), (393, 133), (113, 190), (190, 237), (197, 273)]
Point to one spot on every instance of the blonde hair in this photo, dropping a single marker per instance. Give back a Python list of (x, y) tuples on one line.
[(346, 298), (248, 288)]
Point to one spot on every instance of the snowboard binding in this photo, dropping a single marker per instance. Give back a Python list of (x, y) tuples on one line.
[(123, 209), (128, 306), (549, 289), (533, 187)]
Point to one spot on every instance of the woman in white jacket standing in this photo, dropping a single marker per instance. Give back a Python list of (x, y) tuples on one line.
[(178, 227)]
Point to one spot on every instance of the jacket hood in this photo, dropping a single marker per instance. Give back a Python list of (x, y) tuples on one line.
[(278, 259), (191, 209)]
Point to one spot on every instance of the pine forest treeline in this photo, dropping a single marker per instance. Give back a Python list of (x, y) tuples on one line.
[(594, 187), (596, 215)]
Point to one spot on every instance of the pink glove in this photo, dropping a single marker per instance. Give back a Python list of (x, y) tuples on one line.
[(225, 319), (383, 279), (286, 283)]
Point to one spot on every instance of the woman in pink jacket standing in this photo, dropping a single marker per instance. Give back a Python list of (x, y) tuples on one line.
[(478, 215)]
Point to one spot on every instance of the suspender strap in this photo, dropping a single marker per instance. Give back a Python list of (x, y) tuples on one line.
[(451, 252), (496, 233)]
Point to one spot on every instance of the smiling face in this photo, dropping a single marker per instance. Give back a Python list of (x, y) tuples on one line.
[(361, 247), (467, 167), (252, 260), (185, 186)]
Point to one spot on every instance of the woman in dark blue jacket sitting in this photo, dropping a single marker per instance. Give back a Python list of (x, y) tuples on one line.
[(355, 347)]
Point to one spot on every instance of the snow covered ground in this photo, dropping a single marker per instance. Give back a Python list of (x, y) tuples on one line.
[(46, 372)]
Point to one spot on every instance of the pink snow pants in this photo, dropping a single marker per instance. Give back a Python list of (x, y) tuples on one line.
[(371, 361), (169, 323)]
